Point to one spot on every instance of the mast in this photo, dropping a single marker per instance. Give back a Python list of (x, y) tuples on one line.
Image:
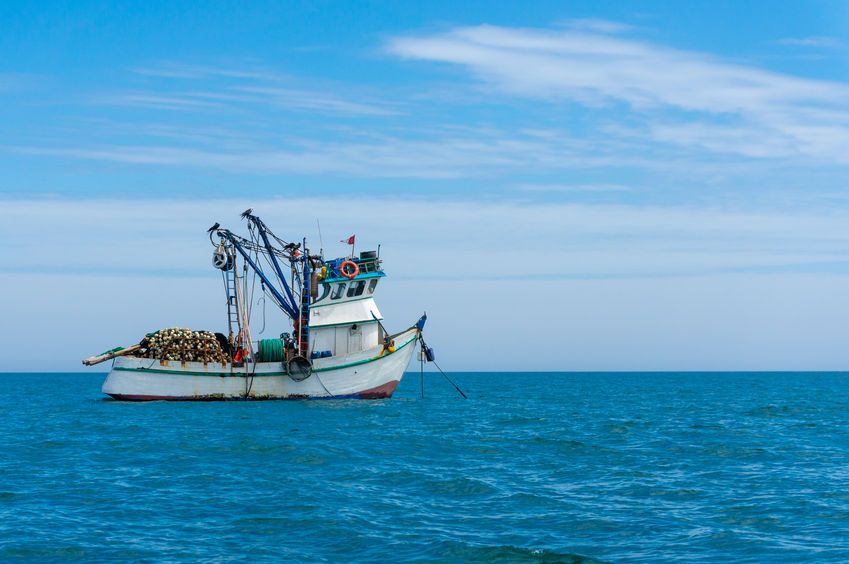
[(297, 309), (260, 226), (281, 301), (304, 328)]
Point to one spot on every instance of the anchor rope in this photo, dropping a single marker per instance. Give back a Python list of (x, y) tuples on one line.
[(450, 380), (456, 387)]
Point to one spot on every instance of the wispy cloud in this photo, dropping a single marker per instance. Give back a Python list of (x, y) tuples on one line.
[(255, 98), (573, 188), (816, 42), (652, 278), (443, 158), (249, 89), (15, 81), (581, 66), (566, 240), (439, 154), (178, 70), (175, 102), (654, 80), (645, 106), (321, 102), (597, 25)]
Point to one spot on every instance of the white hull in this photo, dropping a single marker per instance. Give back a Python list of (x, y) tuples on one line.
[(365, 374)]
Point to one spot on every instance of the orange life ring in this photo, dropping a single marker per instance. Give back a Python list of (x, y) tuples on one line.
[(353, 273)]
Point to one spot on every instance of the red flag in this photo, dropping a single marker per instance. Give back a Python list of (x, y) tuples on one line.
[(350, 240)]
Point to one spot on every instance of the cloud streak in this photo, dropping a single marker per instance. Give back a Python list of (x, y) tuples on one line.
[(806, 117), (578, 106), (816, 42), (573, 188), (462, 155), (243, 88), (666, 287), (561, 240)]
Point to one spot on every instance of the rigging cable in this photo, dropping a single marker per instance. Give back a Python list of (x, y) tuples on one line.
[(444, 374), (323, 386), (263, 312), (452, 382), (320, 240), (246, 337)]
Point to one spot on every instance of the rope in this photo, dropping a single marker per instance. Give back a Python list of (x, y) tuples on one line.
[(421, 369), (452, 382), (263, 312), (249, 380), (456, 387), (323, 386)]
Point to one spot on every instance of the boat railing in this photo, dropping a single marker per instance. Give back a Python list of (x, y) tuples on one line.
[(368, 265), (365, 265)]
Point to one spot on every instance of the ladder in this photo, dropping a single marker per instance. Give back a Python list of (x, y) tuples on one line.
[(304, 329), (234, 321)]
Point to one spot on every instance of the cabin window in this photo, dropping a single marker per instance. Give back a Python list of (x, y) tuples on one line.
[(324, 291), (371, 285), (356, 288), (338, 291)]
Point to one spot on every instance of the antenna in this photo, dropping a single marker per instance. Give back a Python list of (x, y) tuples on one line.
[(321, 250)]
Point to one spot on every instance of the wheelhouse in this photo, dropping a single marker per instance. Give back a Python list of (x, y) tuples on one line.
[(344, 317)]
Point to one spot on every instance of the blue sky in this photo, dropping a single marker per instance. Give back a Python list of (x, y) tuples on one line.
[(666, 182)]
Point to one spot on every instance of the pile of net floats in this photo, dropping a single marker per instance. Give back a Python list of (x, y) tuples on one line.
[(184, 345)]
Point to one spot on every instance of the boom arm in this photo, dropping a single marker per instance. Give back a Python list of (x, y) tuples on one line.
[(260, 226), (281, 301)]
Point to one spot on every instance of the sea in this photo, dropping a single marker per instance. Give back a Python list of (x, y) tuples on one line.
[(530, 467)]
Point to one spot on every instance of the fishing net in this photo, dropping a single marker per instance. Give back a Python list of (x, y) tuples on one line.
[(184, 345)]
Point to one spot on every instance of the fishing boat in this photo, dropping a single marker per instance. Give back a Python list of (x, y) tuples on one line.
[(338, 347)]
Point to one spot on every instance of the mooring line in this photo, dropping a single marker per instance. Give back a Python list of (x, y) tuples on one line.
[(456, 387)]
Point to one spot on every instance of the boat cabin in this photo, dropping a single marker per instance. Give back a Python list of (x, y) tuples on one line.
[(343, 314)]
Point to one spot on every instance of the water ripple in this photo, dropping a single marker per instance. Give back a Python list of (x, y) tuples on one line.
[(564, 468)]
